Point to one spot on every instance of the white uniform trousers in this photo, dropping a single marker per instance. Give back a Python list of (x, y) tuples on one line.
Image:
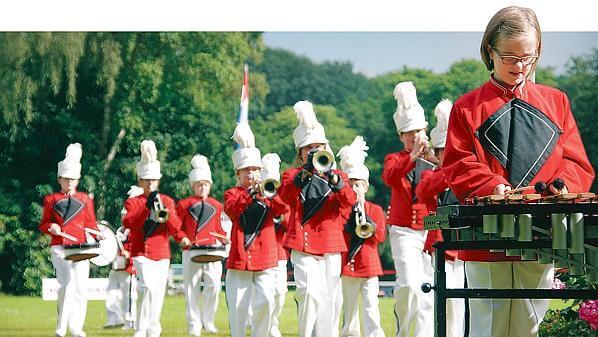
[(194, 274), (151, 288), (239, 285), (368, 287), (72, 295), (412, 268), (280, 292), (120, 298), (507, 317), (455, 307), (318, 293)]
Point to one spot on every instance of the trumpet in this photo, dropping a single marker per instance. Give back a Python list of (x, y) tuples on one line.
[(323, 161), (268, 187), (363, 228), (159, 213)]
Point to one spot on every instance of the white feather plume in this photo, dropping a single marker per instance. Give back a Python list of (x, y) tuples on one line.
[(405, 94), (74, 152), (244, 136), (306, 114), (271, 163), (135, 191), (354, 154), (442, 113), (200, 162), (149, 152)]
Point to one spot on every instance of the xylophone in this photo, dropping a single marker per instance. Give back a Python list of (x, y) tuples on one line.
[(561, 229)]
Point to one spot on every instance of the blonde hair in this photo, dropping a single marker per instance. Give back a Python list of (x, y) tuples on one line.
[(510, 22)]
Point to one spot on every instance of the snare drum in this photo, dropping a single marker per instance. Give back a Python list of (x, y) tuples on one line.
[(204, 254), (81, 251)]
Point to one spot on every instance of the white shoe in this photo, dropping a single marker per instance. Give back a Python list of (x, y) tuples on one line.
[(195, 333), (211, 328)]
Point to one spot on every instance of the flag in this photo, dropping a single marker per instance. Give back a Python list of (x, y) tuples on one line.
[(244, 106)]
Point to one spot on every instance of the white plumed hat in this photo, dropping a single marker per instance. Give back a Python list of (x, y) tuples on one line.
[(134, 191), (149, 166), (409, 115), (353, 159), (247, 154), (442, 113), (309, 130), (70, 167), (271, 163), (201, 169)]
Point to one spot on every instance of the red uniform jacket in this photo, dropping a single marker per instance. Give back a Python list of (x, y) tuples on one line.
[(262, 253), (472, 171), (281, 234), (189, 226), (402, 211), (83, 217), (323, 232), (157, 246), (432, 183), (366, 262)]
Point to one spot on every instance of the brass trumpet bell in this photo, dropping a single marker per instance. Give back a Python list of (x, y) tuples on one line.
[(365, 230), (159, 213), (323, 161), (268, 187)]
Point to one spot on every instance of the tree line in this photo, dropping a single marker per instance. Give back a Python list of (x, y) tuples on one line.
[(109, 91)]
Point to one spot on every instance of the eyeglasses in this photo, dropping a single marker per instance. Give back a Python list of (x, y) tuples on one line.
[(511, 59)]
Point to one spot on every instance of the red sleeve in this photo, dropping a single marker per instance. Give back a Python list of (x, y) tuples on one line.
[(377, 215), (47, 216), (235, 202), (466, 176), (276, 205), (395, 168), (288, 191), (91, 215), (219, 228), (136, 215), (174, 223), (431, 183), (346, 197), (575, 168)]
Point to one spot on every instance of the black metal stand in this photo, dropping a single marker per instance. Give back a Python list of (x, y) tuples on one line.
[(442, 293)]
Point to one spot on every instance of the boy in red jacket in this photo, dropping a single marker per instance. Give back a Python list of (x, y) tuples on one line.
[(433, 191), (150, 247), (253, 253), (361, 264), (406, 232), (201, 217), (65, 216)]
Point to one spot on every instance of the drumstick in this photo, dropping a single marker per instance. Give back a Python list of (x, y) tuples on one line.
[(218, 235), (92, 231), (539, 187), (67, 236)]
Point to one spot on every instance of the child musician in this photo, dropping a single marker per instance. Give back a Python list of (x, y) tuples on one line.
[(433, 190), (407, 235), (364, 231), (253, 253), (65, 216), (320, 201), (506, 134), (151, 218)]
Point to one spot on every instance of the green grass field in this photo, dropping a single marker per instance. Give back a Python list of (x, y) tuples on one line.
[(30, 316)]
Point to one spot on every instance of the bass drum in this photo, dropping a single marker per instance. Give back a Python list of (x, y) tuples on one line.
[(108, 246)]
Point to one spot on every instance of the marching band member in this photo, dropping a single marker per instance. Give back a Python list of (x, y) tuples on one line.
[(361, 264), (407, 235), (253, 251), (511, 133), (120, 292), (151, 217), (65, 216), (201, 216), (271, 163), (433, 190), (320, 200)]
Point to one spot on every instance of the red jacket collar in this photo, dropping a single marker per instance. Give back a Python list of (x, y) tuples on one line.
[(519, 91)]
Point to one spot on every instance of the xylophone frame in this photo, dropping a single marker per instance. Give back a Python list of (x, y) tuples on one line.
[(445, 220)]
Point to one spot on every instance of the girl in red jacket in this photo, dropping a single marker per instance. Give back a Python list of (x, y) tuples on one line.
[(490, 149), (149, 243), (361, 264), (65, 216), (406, 232), (320, 200), (253, 254), (201, 217)]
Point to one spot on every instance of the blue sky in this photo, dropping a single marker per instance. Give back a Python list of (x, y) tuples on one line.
[(375, 53)]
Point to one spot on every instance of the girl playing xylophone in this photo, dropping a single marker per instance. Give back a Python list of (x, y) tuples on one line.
[(320, 200), (65, 215), (506, 134), (201, 217)]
